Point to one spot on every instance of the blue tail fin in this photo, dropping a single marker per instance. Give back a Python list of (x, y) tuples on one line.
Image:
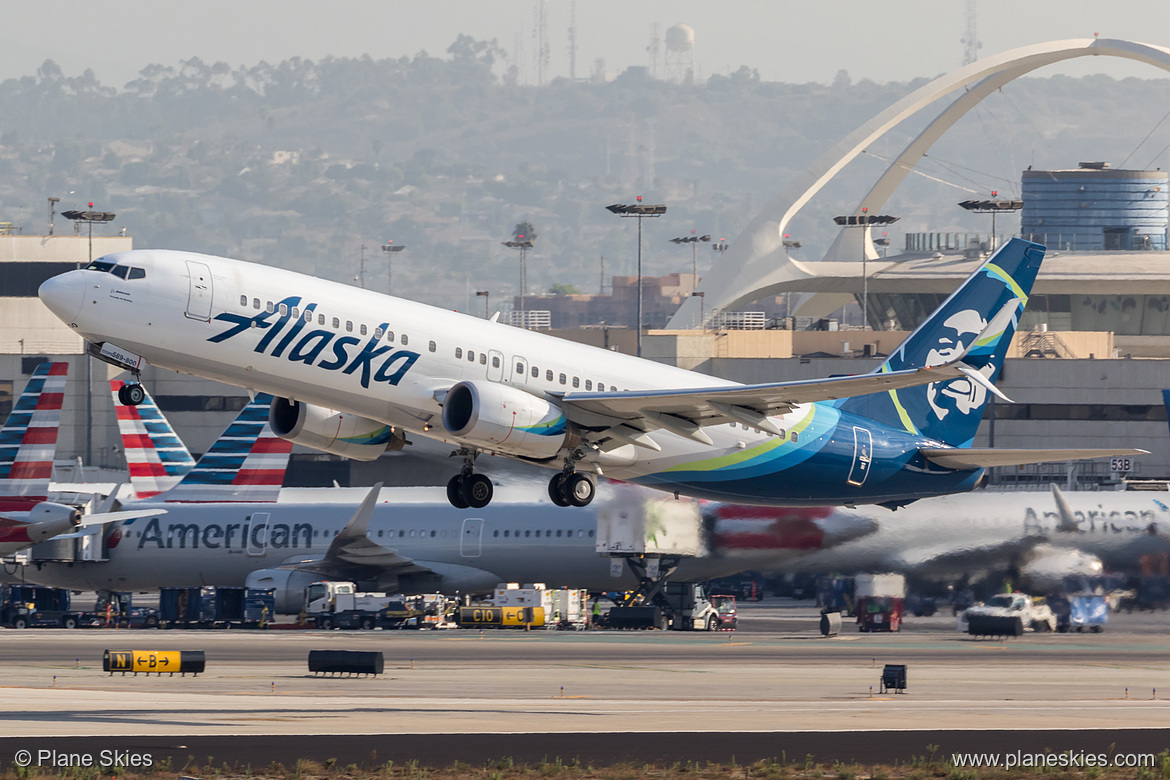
[(950, 412)]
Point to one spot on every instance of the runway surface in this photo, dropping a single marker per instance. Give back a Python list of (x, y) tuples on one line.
[(766, 686)]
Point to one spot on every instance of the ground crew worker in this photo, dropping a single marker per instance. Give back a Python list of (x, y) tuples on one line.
[(596, 612)]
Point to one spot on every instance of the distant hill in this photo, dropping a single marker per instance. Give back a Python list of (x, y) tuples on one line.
[(302, 163)]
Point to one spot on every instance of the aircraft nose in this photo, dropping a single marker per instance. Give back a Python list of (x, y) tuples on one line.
[(64, 294)]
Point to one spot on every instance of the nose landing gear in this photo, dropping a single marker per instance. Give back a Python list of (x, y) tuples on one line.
[(468, 489)]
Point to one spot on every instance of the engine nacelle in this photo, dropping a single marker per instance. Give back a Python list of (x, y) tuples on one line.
[(290, 586), (1047, 567), (48, 518), (339, 433), (503, 418)]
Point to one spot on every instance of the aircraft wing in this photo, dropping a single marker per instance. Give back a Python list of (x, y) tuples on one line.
[(987, 457), (956, 557), (354, 547), (627, 416), (685, 411)]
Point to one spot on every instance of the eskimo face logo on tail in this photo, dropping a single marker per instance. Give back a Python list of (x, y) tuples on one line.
[(960, 395), (302, 343)]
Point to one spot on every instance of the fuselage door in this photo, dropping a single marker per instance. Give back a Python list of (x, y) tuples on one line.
[(862, 455), (495, 366), (200, 291), (471, 540), (519, 373), (258, 535)]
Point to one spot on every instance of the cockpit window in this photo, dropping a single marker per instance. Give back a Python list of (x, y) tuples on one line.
[(120, 271)]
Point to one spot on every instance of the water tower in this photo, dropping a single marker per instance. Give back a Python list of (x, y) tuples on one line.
[(680, 54)]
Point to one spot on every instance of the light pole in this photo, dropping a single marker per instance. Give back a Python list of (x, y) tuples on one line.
[(486, 296), (639, 211), (391, 249), (523, 245), (863, 221), (90, 218), (693, 240), (992, 207)]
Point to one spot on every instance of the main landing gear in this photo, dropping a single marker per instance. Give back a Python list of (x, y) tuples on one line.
[(572, 488), (131, 394), (468, 489)]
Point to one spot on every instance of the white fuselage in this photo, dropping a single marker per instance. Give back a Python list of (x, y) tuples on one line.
[(951, 536), (328, 354), (468, 550)]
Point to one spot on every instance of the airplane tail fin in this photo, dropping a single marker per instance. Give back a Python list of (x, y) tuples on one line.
[(246, 463), (28, 440), (155, 455), (950, 411)]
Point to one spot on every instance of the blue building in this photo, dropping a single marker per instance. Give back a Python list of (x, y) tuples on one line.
[(1095, 208)]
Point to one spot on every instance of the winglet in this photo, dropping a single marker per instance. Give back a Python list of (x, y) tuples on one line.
[(1068, 523), (359, 524)]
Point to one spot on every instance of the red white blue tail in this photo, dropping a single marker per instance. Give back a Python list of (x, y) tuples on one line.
[(28, 440), (246, 463), (155, 455)]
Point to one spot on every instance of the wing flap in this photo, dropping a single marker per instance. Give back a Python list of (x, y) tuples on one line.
[(988, 457)]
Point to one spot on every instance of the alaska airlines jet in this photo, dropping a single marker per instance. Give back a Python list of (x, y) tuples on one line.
[(393, 367), (28, 442)]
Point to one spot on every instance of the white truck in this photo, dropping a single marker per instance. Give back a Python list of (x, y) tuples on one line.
[(1009, 614), (340, 605)]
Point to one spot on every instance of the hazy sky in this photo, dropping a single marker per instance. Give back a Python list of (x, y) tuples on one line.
[(786, 40)]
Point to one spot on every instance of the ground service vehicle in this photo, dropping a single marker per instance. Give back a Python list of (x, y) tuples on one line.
[(340, 605), (678, 606), (879, 601), (212, 607), (1009, 614), (24, 606), (117, 610), (533, 605)]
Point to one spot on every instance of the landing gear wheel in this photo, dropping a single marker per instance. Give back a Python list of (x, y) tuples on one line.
[(455, 492), (556, 489), (579, 489), (476, 490), (131, 395)]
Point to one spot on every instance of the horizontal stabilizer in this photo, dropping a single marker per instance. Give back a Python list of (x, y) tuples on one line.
[(963, 458)]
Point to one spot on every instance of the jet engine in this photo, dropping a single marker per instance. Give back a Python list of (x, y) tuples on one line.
[(503, 418), (47, 519), (339, 433), (1045, 570), (290, 586)]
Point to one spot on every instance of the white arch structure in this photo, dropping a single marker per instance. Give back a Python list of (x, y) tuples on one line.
[(757, 263)]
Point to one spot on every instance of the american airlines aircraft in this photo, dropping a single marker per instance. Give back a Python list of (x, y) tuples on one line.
[(1042, 535), (394, 367), (28, 442)]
